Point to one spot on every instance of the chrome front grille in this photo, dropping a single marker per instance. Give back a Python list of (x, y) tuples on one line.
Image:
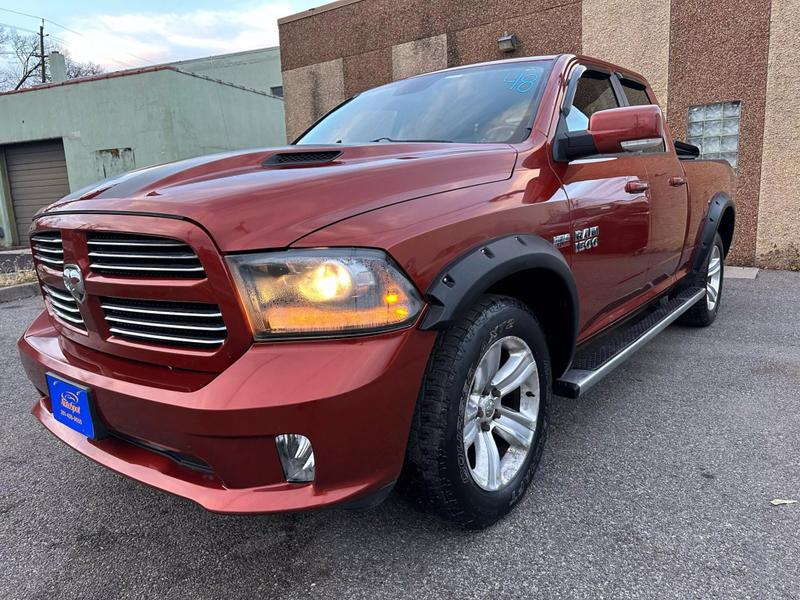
[(135, 255), (64, 307), (165, 323), (46, 247)]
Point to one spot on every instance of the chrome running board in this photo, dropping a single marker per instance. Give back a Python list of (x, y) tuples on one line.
[(592, 365)]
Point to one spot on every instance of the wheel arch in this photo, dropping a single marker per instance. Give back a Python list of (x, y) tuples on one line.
[(721, 218), (520, 266)]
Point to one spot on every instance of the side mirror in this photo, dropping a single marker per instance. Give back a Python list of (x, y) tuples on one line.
[(627, 129)]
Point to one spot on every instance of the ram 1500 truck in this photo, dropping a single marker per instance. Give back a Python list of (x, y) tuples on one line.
[(393, 299)]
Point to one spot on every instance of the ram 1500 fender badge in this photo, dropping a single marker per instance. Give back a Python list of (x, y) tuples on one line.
[(587, 238), (561, 240)]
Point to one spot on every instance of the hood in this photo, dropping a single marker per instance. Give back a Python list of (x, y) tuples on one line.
[(269, 198)]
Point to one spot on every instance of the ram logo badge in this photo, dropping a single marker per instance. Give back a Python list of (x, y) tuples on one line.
[(587, 238), (561, 240)]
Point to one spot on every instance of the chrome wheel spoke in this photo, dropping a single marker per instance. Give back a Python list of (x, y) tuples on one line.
[(514, 432), (488, 460), (487, 368), (507, 380), (471, 410), (471, 431)]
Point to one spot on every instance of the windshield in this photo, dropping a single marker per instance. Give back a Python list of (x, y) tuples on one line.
[(489, 103)]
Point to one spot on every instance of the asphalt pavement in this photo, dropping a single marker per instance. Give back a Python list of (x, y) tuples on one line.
[(657, 484)]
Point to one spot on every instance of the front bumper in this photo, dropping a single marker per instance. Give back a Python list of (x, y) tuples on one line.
[(210, 437)]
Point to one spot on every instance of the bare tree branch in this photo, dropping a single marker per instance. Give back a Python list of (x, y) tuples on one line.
[(20, 61)]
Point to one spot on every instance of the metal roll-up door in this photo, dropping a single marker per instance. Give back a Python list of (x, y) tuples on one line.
[(37, 176)]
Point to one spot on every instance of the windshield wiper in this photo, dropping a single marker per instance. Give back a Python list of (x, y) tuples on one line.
[(388, 139)]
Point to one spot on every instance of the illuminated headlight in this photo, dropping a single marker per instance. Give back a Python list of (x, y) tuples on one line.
[(300, 293)]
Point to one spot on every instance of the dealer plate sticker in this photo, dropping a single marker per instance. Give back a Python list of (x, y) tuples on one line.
[(71, 405)]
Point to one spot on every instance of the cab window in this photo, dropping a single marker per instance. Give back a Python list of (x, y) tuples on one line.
[(635, 92), (594, 93)]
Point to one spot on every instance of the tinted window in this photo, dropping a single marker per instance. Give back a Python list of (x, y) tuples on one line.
[(635, 93), (594, 93), (493, 103)]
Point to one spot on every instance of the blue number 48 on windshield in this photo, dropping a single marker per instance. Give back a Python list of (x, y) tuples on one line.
[(522, 82)]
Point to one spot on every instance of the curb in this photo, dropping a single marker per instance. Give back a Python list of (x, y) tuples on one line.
[(17, 292)]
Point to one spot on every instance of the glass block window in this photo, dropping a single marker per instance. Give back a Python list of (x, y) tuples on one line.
[(714, 128)]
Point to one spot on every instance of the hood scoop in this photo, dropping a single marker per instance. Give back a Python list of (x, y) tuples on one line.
[(302, 158)]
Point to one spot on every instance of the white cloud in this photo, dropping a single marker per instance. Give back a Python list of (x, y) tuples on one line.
[(138, 39)]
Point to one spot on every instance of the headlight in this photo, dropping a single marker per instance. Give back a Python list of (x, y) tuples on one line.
[(323, 292)]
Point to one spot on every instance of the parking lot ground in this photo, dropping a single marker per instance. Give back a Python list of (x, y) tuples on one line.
[(657, 484)]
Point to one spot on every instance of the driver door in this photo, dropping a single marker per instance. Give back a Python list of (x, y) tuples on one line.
[(609, 208)]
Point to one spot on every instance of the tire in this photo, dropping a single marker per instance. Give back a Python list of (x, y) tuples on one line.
[(705, 311), (444, 473)]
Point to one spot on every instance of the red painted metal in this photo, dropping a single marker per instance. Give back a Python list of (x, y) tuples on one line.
[(609, 128), (425, 204), (636, 186)]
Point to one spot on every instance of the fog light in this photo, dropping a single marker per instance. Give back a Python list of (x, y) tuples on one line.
[(297, 457)]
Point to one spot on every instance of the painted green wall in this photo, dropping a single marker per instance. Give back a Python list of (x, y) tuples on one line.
[(256, 69), (160, 115)]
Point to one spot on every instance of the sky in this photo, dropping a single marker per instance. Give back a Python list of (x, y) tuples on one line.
[(120, 35)]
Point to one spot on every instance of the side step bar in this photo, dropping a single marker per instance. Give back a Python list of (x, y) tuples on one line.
[(590, 366)]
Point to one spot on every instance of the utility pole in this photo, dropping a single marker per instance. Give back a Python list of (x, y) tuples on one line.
[(41, 51)]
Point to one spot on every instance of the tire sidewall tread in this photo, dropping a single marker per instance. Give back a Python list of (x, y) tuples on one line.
[(436, 473)]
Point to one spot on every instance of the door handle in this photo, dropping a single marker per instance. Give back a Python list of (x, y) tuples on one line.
[(676, 181), (636, 186)]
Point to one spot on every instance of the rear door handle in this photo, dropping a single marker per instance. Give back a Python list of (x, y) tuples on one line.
[(676, 181), (636, 186)]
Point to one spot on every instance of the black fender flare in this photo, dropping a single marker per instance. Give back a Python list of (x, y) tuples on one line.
[(717, 207), (460, 284)]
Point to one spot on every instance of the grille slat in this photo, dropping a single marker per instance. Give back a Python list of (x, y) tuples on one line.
[(159, 311), (48, 248), (64, 307), (136, 242), (162, 256), (178, 339), (165, 323), (39, 248), (135, 255)]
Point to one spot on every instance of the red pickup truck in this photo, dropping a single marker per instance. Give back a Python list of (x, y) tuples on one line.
[(393, 299)]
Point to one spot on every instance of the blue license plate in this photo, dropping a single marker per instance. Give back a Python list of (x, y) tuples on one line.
[(71, 405)]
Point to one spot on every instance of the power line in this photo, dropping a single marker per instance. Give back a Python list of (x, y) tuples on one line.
[(24, 14), (19, 28)]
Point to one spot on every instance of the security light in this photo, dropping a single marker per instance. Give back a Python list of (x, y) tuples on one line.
[(507, 42)]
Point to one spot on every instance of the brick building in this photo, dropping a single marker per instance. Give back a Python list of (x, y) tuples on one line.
[(722, 70)]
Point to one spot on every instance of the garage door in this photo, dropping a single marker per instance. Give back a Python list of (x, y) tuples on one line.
[(37, 176)]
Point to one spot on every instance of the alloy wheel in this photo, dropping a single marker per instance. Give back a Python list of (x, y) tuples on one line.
[(501, 413), (713, 278)]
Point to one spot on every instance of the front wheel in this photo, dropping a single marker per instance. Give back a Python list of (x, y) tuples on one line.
[(705, 311), (480, 423)]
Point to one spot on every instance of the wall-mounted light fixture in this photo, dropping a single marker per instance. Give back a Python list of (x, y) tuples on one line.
[(507, 42)]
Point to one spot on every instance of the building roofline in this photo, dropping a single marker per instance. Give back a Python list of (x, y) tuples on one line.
[(138, 71), (315, 11), (183, 61), (101, 76)]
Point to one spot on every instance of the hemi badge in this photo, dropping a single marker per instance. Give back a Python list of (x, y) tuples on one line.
[(561, 240)]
